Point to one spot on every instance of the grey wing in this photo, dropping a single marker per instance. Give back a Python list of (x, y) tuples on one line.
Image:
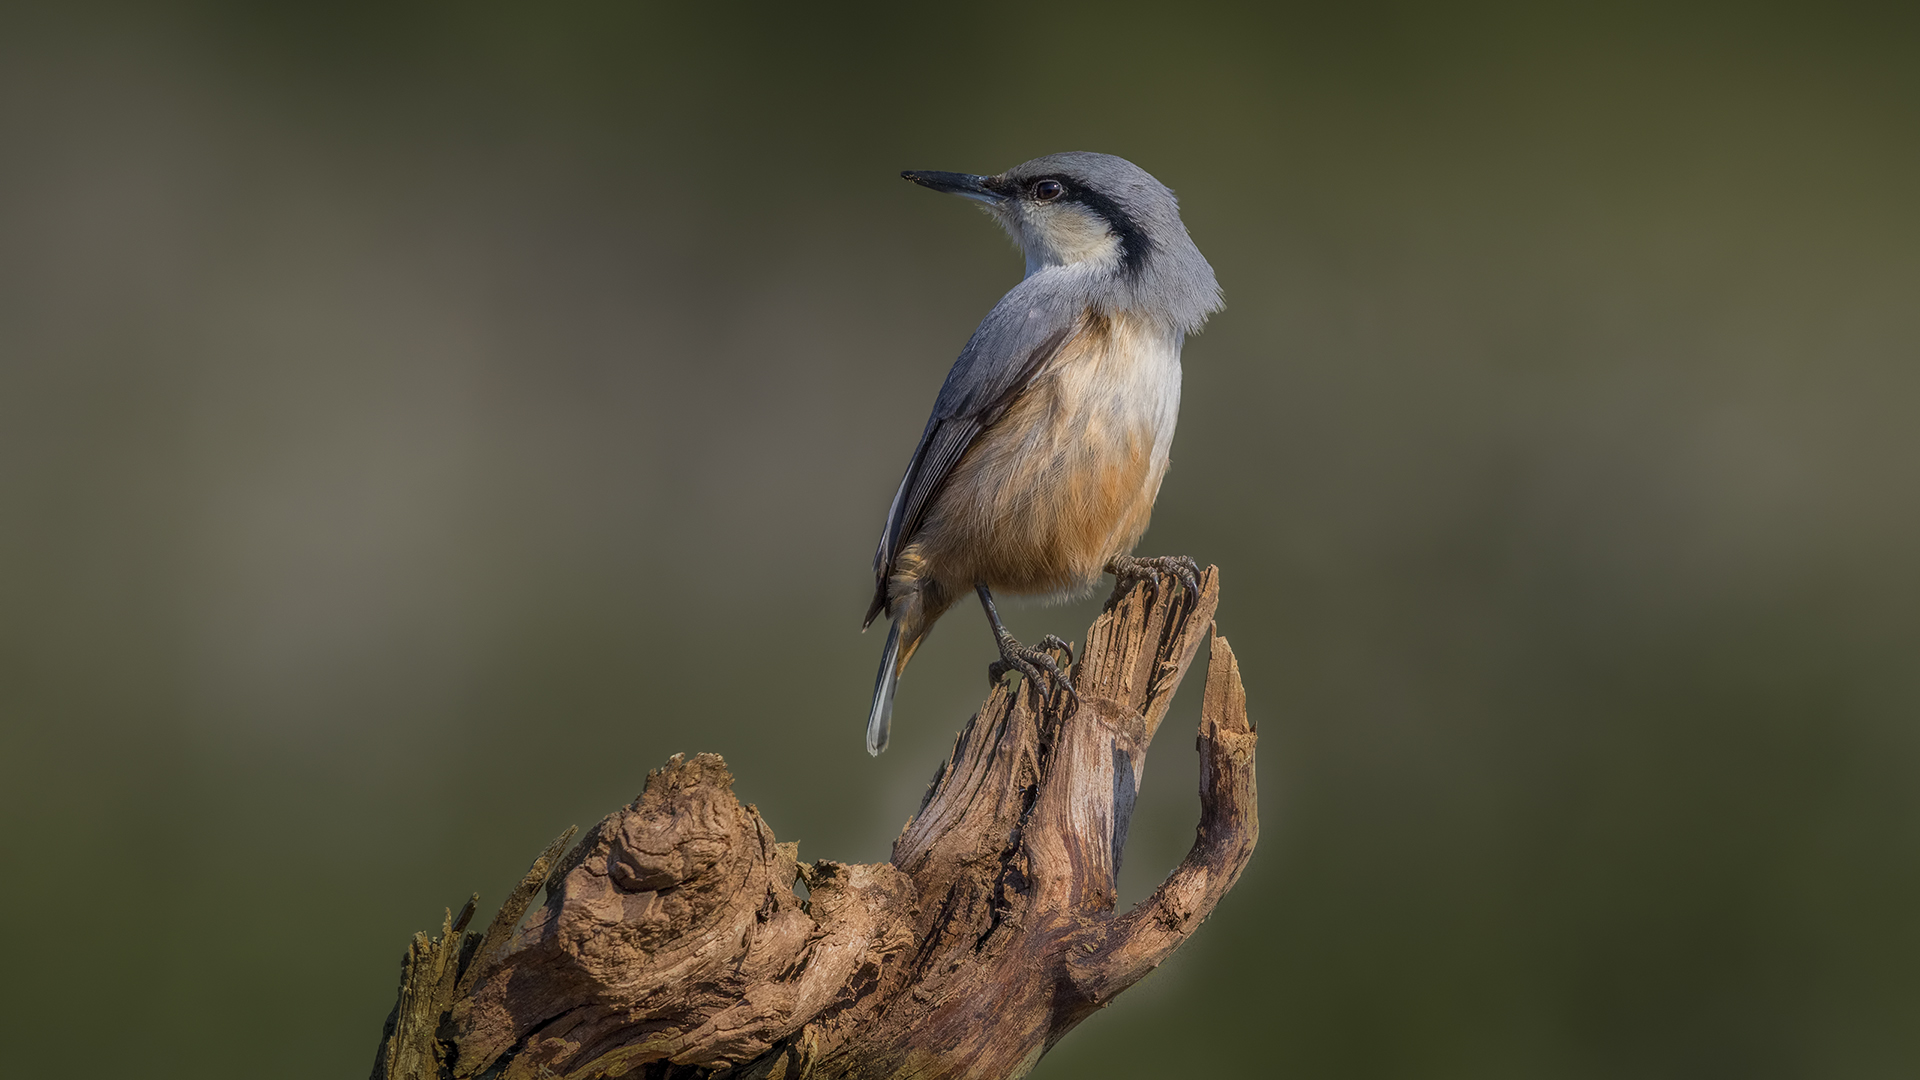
[(1019, 336)]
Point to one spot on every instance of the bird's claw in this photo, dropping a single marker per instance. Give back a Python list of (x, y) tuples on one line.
[(1128, 571), (1036, 665)]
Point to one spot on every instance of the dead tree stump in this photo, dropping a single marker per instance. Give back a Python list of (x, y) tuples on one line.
[(671, 943)]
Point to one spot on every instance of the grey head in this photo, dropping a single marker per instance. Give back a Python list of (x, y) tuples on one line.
[(1104, 226)]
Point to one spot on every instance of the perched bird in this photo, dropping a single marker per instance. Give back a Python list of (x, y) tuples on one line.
[(1040, 464)]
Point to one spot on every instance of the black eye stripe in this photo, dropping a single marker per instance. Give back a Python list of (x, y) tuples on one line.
[(1133, 239)]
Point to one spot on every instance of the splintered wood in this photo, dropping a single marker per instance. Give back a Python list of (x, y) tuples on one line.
[(672, 945)]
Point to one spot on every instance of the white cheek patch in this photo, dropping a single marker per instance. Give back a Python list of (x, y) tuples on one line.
[(1069, 234)]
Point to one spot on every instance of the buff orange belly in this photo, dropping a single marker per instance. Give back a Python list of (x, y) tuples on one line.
[(1065, 479)]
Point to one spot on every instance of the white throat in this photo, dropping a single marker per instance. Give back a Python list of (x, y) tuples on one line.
[(1063, 236)]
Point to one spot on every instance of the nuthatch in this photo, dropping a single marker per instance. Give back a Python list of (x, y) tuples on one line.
[(1039, 466)]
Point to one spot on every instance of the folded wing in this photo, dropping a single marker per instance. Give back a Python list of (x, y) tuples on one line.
[(1013, 345)]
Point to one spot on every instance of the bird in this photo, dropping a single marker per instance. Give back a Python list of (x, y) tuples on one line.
[(1039, 466)]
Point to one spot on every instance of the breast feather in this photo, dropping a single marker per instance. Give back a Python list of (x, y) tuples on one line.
[(1067, 477)]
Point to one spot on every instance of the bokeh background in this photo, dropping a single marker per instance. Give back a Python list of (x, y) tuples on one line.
[(419, 420)]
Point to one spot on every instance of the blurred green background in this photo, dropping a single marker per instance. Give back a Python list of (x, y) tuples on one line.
[(416, 422)]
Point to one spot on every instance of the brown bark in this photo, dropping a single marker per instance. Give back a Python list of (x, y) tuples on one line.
[(671, 943)]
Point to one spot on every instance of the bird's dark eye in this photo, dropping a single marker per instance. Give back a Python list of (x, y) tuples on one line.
[(1046, 190)]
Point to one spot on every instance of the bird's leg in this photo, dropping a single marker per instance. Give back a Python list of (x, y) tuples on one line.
[(1128, 571), (1029, 662)]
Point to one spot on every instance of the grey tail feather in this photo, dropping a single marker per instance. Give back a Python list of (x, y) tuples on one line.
[(880, 720)]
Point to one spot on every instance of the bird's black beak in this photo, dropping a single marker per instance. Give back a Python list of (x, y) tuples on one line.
[(967, 185)]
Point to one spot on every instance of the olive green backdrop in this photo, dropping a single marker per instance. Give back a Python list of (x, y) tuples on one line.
[(416, 422)]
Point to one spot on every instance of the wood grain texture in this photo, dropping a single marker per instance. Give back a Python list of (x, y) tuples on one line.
[(672, 943)]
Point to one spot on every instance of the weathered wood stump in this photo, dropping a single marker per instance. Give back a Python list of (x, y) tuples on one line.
[(672, 944)]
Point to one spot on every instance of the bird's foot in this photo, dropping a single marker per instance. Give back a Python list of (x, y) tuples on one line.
[(1128, 571), (1038, 665)]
